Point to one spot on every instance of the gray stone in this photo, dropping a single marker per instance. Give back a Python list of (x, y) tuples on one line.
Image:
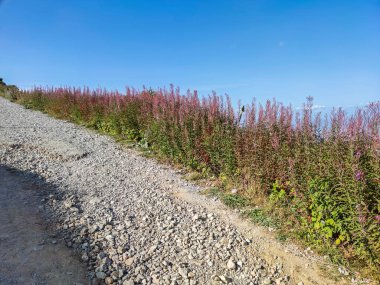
[(183, 272), (100, 275)]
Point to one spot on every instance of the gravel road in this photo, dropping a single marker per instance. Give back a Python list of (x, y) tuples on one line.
[(123, 215)]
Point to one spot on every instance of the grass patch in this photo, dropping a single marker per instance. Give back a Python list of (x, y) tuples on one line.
[(258, 216), (211, 192), (194, 176), (234, 201)]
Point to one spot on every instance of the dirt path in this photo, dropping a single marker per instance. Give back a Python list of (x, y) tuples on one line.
[(28, 254)]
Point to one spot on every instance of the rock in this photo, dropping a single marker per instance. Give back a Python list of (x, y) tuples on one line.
[(266, 281), (94, 200), (121, 273), (231, 264), (85, 257), (93, 229), (74, 209), (129, 261), (183, 272), (128, 282), (101, 255), (100, 275), (68, 204), (109, 238), (108, 280), (191, 274), (155, 279), (225, 279), (152, 248), (343, 271), (107, 228)]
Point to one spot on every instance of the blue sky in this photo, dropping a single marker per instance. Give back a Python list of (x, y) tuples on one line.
[(259, 48)]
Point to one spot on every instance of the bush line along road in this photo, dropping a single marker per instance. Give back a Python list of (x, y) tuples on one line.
[(123, 214)]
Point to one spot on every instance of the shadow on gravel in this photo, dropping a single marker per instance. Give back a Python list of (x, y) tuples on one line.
[(30, 253)]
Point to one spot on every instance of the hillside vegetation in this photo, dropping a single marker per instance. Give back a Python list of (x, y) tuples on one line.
[(319, 176)]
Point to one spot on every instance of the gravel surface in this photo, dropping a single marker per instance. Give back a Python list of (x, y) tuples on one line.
[(118, 211)]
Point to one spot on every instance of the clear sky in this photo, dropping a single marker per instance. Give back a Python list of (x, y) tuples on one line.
[(286, 49)]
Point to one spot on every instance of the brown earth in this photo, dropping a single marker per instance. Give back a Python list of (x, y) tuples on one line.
[(29, 253)]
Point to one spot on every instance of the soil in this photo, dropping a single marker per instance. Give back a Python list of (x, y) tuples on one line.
[(29, 251)]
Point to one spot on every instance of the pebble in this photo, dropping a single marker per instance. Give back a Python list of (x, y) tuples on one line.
[(183, 272), (231, 264), (129, 261), (343, 271), (100, 275)]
